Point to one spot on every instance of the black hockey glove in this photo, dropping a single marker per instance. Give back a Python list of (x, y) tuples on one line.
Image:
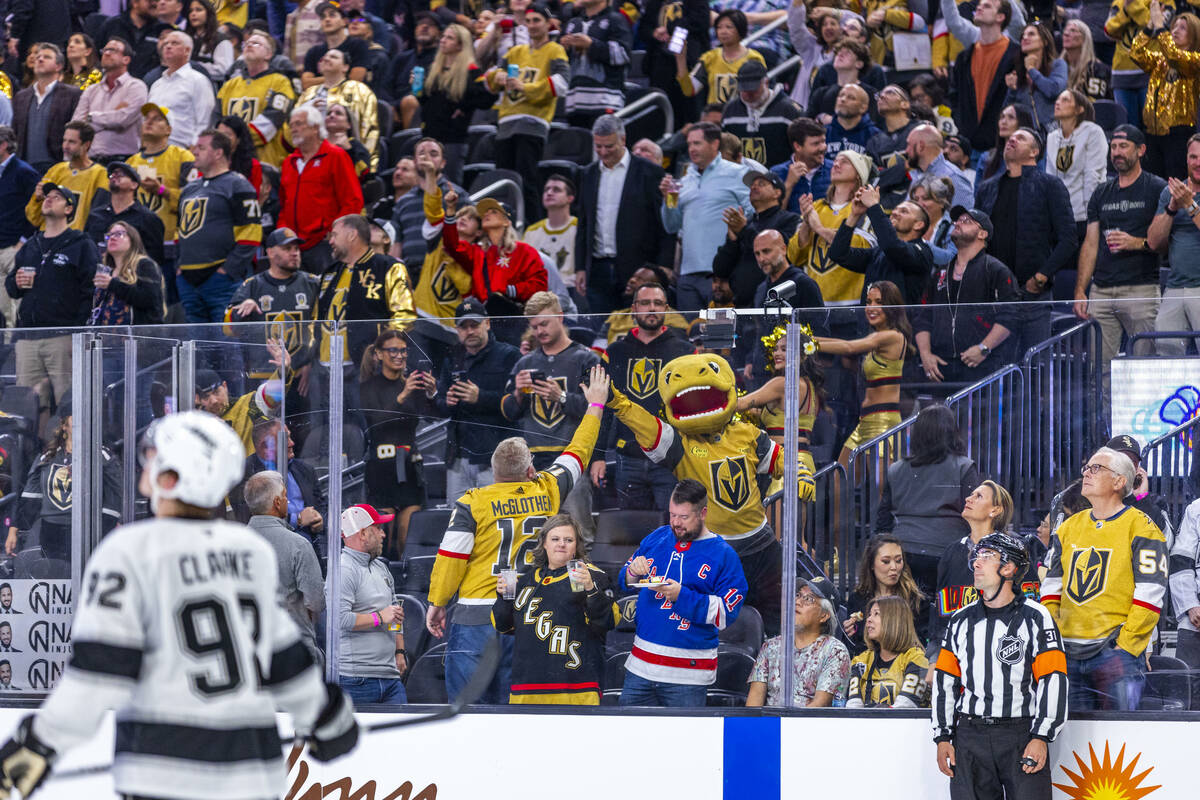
[(336, 730), (25, 760)]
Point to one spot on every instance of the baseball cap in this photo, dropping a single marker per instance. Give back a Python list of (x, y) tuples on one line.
[(469, 309), (433, 18), (1128, 445), (356, 518), (492, 204), (983, 219), (148, 107), (752, 175), (961, 141), (750, 75), (207, 380), (63, 192), (282, 236), (1129, 132), (329, 4), (823, 588), (121, 166)]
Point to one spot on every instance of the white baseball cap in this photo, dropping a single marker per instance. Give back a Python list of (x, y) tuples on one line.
[(356, 518)]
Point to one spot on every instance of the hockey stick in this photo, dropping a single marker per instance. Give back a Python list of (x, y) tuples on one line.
[(484, 672)]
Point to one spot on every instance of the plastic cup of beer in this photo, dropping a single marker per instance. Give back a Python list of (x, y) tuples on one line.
[(573, 566), (510, 583), (397, 626), (673, 194)]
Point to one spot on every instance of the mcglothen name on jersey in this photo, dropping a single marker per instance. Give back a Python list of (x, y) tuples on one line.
[(519, 506), (214, 564)]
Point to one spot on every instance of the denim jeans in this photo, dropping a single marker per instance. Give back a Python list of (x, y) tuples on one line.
[(464, 646), (642, 484), (638, 691), (1133, 100), (1111, 680), (374, 690), (206, 302)]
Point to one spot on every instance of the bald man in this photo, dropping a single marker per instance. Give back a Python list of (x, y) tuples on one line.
[(770, 251), (924, 153), (851, 128)]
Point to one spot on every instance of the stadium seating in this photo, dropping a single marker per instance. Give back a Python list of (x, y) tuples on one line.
[(426, 680)]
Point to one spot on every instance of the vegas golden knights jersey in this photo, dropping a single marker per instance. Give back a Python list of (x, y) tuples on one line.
[(494, 527), (174, 167), (899, 683), (441, 285), (287, 308), (839, 286), (264, 103), (719, 75)]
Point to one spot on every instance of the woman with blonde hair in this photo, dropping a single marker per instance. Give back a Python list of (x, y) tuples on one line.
[(1168, 55), (1085, 72), (129, 285), (890, 673), (452, 92)]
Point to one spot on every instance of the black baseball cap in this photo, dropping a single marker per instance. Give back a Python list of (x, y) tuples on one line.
[(823, 588), (63, 192), (1129, 132), (435, 18), (981, 217), (207, 380), (751, 176), (282, 236), (961, 141), (470, 309), (1128, 445), (750, 75), (329, 4), (121, 166)]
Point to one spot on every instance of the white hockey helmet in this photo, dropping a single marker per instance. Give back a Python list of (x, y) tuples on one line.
[(202, 450)]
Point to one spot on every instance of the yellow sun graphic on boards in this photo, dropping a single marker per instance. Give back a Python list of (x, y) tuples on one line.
[(1106, 780)]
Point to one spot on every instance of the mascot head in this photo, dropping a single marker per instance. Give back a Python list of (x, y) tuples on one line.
[(699, 393)]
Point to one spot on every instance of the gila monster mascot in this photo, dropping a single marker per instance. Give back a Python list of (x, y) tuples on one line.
[(734, 460)]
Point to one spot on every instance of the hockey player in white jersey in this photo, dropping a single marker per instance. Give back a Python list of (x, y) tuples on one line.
[(178, 630)]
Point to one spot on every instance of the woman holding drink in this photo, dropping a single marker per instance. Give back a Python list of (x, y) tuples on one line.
[(558, 613)]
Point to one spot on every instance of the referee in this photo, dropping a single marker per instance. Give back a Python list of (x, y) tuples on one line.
[(1000, 690)]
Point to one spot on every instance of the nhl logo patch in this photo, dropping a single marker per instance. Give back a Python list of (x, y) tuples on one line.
[(1009, 649)]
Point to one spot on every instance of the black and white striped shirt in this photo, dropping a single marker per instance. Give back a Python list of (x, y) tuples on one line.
[(1003, 663)]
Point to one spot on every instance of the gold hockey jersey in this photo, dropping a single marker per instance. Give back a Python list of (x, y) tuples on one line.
[(899, 683), (264, 103), (174, 167)]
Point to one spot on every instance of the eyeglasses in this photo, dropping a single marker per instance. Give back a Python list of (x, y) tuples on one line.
[(117, 234), (1094, 469), (396, 352), (807, 599), (652, 303), (118, 50)]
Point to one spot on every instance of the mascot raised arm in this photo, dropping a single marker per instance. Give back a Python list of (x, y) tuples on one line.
[(734, 460)]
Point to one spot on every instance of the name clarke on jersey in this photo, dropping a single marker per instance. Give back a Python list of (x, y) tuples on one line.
[(215, 565)]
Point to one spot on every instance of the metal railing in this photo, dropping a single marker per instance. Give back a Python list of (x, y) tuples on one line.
[(783, 66), (656, 98), (1169, 461), (507, 184), (774, 24), (1064, 414)]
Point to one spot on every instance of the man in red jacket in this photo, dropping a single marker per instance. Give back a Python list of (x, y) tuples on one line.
[(318, 185)]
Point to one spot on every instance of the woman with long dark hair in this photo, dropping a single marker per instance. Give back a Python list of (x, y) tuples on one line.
[(393, 397), (1013, 117), (561, 583), (83, 63), (768, 399), (884, 351), (923, 494), (213, 51), (1040, 74), (882, 571), (244, 160)]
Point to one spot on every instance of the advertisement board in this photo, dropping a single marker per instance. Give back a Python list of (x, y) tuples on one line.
[(35, 634), (1150, 396)]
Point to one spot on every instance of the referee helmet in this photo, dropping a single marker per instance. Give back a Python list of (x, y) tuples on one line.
[(1010, 548)]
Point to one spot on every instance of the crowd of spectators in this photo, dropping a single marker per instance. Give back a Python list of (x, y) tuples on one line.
[(319, 162)]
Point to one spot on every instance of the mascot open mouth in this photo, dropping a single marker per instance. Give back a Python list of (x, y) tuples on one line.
[(699, 401)]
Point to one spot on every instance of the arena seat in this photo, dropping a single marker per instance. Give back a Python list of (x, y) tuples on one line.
[(1168, 685), (1109, 114), (416, 636), (426, 681), (733, 668), (417, 570), (627, 528), (745, 632), (614, 678)]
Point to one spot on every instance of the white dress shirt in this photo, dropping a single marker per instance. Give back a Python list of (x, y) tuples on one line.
[(608, 205), (188, 97)]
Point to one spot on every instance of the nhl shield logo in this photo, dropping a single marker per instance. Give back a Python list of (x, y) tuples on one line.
[(1009, 649), (192, 212), (730, 482), (548, 413), (1088, 574), (58, 488), (643, 377)]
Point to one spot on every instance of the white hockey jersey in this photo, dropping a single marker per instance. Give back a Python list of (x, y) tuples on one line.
[(179, 629)]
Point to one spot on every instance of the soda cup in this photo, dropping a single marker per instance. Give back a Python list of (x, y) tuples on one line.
[(418, 79), (397, 627), (572, 566), (510, 583)]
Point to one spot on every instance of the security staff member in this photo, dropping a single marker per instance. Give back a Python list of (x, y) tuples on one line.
[(992, 734), (634, 362)]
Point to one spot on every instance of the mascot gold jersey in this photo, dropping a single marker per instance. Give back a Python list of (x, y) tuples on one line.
[(700, 440)]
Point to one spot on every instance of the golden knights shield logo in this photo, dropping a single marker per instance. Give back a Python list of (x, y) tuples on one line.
[(1065, 157), (244, 108), (288, 327), (548, 413), (58, 487), (755, 147), (730, 482), (725, 85), (192, 212), (1088, 574), (643, 377), (444, 290)]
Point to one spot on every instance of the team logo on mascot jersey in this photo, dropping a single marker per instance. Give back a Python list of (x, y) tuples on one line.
[(643, 377), (1088, 574), (191, 215), (730, 482), (549, 413)]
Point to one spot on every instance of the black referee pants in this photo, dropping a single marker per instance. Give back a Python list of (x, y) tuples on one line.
[(987, 762)]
